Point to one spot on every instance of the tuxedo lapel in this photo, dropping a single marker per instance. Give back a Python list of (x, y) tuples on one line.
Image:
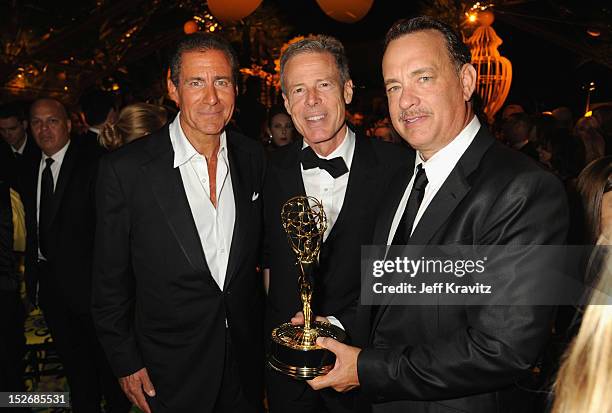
[(170, 194), (291, 181), (241, 173), (361, 178), (389, 208)]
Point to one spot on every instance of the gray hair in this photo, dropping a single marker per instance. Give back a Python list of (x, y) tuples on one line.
[(317, 44)]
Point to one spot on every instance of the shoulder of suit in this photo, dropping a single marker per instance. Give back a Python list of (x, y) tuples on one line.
[(285, 155), (392, 154), (141, 149), (244, 143)]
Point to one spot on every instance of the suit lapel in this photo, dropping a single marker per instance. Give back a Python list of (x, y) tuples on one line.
[(452, 191), (65, 173), (240, 171), (170, 194), (449, 196)]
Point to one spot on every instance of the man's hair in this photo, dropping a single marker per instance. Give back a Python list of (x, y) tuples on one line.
[(516, 127), (202, 42), (62, 107), (12, 110), (457, 50), (317, 44), (95, 105)]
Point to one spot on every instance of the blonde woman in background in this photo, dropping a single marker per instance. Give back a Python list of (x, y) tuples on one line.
[(585, 377), (134, 121)]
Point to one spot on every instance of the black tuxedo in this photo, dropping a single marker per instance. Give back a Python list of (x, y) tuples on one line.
[(461, 358), (156, 304), (64, 279), (337, 278)]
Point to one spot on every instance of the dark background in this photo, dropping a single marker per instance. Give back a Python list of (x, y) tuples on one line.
[(553, 57)]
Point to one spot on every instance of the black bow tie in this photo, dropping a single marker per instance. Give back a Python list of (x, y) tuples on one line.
[(335, 166)]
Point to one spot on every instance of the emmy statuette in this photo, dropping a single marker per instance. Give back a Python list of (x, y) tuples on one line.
[(294, 350)]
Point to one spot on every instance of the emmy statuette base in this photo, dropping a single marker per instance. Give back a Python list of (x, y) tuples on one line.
[(295, 354)]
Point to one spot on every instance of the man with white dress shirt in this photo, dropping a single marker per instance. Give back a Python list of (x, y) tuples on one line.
[(60, 224), (462, 188), (348, 173), (178, 300)]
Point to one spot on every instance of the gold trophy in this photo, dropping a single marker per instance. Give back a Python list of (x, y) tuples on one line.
[(294, 349)]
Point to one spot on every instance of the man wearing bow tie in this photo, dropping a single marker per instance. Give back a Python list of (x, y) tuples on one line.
[(345, 171)]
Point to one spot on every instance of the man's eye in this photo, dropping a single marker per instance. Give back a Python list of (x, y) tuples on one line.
[(393, 88), (195, 83), (222, 82), (298, 90), (424, 79)]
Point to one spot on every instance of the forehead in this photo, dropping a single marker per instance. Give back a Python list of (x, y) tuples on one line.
[(10, 121), (280, 117), (47, 108), (427, 47), (308, 65), (212, 60)]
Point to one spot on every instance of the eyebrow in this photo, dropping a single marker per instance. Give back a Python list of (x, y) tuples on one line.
[(220, 77), (414, 73)]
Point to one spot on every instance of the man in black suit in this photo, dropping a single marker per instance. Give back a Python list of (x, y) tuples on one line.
[(178, 302), (98, 110), (13, 129), (463, 187), (20, 151), (60, 223), (348, 173)]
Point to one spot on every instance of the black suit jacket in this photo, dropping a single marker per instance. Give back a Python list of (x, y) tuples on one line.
[(72, 228), (155, 302), (461, 358), (337, 279)]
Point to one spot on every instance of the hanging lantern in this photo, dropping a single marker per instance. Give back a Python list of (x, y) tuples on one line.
[(494, 70), (346, 11), (190, 27), (232, 10)]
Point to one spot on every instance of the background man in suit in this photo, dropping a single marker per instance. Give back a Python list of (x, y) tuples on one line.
[(348, 173), (98, 109), (463, 188), (23, 150), (13, 129), (178, 302), (60, 223)]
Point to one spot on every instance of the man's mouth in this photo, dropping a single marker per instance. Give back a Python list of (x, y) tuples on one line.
[(315, 118)]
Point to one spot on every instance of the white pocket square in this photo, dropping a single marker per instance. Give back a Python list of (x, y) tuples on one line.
[(255, 196)]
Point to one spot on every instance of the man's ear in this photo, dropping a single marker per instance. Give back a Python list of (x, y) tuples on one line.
[(287, 106), (468, 76), (348, 91), (69, 125), (172, 91)]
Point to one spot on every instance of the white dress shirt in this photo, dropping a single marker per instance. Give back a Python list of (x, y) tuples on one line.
[(320, 184), (22, 147), (58, 158), (215, 226), (437, 168)]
